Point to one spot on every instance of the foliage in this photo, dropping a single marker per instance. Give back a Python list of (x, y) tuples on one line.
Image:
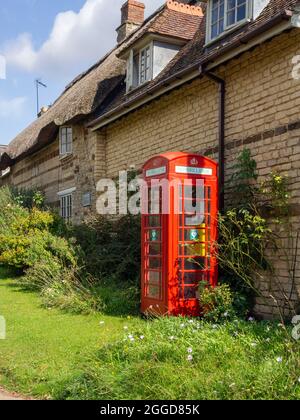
[(216, 302), (63, 288), (245, 237), (111, 247), (28, 198), (243, 179), (246, 234), (179, 359)]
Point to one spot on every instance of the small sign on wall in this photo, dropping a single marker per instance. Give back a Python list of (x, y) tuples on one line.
[(87, 199)]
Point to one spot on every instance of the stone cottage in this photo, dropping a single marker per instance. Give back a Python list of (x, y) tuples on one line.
[(209, 77)]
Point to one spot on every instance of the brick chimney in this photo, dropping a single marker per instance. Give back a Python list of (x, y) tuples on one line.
[(132, 16)]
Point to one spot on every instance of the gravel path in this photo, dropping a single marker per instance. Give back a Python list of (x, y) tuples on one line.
[(6, 396)]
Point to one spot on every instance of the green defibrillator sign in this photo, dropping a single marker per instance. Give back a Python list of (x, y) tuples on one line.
[(194, 234), (154, 235)]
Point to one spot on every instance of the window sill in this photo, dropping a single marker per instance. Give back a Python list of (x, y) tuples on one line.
[(227, 32), (134, 89), (65, 156)]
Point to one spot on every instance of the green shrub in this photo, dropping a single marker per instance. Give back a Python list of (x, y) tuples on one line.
[(28, 198), (216, 302), (111, 248)]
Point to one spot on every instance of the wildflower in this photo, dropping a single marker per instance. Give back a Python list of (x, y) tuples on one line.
[(101, 322), (182, 325), (279, 359), (132, 339), (251, 319), (225, 315), (130, 336), (142, 337), (191, 321), (190, 350), (190, 358), (214, 326), (172, 338)]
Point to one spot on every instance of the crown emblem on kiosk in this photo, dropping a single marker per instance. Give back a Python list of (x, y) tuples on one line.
[(194, 161)]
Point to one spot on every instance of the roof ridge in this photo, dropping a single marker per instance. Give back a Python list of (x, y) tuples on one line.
[(184, 8)]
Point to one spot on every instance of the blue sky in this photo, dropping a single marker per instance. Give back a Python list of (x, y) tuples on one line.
[(53, 40)]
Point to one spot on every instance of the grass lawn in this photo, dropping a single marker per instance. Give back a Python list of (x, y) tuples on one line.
[(49, 353), (45, 348)]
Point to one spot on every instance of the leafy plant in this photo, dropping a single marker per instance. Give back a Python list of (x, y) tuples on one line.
[(216, 302)]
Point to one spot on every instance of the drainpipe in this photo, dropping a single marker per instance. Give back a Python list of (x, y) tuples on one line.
[(221, 134)]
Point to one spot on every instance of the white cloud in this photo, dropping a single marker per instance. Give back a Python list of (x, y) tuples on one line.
[(12, 107), (75, 41)]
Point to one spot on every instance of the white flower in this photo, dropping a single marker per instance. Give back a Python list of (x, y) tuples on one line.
[(253, 344), (190, 358), (101, 322), (190, 350), (125, 328), (299, 379), (172, 338), (132, 339), (251, 319), (225, 314), (142, 337), (214, 327), (191, 321), (130, 336), (182, 325), (279, 359)]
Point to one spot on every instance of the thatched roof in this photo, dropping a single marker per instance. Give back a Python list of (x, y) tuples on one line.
[(79, 99)]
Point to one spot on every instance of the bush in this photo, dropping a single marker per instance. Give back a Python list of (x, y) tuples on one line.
[(111, 248), (216, 302)]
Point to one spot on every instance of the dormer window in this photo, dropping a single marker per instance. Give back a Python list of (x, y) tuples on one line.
[(226, 14), (139, 67)]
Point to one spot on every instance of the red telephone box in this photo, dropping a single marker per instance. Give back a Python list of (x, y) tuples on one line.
[(179, 229)]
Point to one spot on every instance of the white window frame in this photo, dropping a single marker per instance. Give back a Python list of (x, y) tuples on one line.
[(65, 147), (227, 28), (66, 207), (144, 50), (66, 204), (130, 67)]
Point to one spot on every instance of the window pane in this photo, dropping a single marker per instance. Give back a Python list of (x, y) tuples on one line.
[(215, 15), (214, 31), (230, 4), (154, 278), (221, 26), (231, 17), (241, 13)]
